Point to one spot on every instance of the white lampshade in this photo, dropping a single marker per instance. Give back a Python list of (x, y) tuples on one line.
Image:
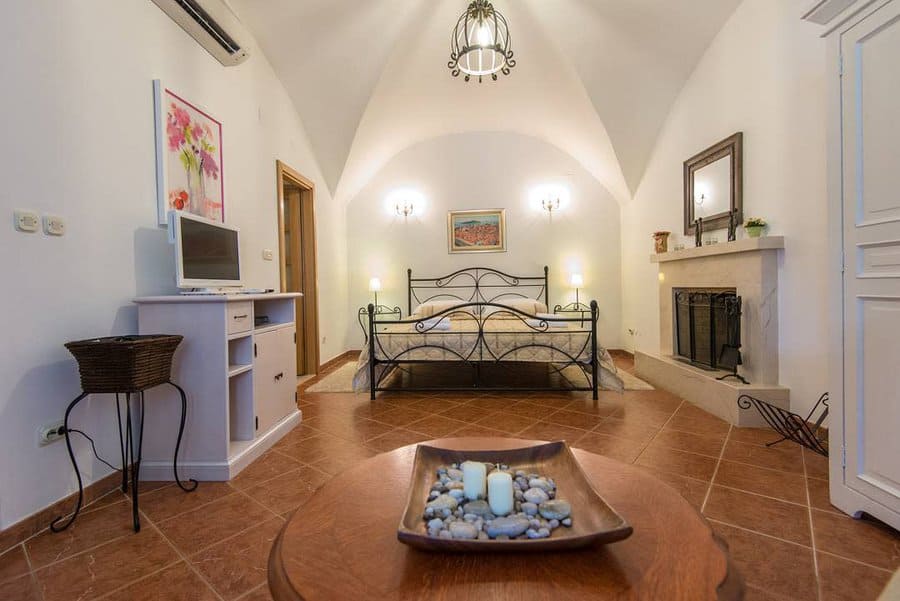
[(374, 285), (576, 280)]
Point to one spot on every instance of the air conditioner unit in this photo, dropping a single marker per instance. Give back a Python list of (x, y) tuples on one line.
[(212, 24)]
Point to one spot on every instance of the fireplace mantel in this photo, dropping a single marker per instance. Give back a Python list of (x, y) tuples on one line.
[(724, 248)]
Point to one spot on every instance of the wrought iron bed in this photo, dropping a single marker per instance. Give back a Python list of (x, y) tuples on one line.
[(486, 331)]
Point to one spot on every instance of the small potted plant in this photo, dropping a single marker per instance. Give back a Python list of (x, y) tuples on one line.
[(755, 226), (661, 241)]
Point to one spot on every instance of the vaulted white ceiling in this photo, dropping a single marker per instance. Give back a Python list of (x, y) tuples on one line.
[(594, 77)]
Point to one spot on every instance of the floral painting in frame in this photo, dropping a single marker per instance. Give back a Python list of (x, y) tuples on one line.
[(188, 157), (477, 231)]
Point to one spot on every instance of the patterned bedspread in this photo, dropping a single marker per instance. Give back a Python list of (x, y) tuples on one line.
[(499, 340)]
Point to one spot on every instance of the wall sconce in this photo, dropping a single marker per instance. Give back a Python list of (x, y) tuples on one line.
[(404, 209), (550, 204)]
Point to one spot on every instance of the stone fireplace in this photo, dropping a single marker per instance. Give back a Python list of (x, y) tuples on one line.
[(746, 270)]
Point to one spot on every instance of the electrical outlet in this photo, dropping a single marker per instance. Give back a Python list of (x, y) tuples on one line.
[(268, 255), (632, 331), (49, 433), (323, 340), (26, 221), (54, 225)]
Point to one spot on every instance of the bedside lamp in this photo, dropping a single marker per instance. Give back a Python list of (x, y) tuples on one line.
[(375, 286), (576, 280)]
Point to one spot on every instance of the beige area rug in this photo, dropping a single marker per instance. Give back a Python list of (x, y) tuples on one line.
[(341, 380)]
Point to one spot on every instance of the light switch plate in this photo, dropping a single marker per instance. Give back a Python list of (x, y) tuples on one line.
[(26, 221), (267, 254), (54, 225)]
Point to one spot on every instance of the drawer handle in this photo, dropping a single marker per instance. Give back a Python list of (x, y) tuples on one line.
[(279, 376), (244, 316)]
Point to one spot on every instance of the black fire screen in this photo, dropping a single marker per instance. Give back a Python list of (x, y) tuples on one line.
[(708, 327)]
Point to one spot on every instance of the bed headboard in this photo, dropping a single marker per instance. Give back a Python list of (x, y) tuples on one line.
[(476, 285)]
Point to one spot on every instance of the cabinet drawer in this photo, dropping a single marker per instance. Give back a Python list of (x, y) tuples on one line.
[(240, 317)]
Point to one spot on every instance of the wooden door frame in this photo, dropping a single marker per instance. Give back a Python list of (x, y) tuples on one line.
[(309, 328)]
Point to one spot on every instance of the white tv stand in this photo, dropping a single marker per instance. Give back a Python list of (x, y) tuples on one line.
[(240, 381)]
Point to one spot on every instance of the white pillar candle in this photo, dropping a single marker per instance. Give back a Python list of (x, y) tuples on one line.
[(500, 493), (474, 473)]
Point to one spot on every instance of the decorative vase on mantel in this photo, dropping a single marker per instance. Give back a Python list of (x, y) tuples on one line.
[(661, 242)]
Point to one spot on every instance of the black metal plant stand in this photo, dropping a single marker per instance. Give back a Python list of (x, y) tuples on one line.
[(790, 425), (127, 365)]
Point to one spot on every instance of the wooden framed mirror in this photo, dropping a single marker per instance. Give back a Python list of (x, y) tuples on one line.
[(713, 185)]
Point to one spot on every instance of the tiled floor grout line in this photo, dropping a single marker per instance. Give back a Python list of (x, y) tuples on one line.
[(186, 558), (857, 562), (745, 529), (716, 470), (246, 594), (655, 434), (277, 515), (136, 580), (812, 531)]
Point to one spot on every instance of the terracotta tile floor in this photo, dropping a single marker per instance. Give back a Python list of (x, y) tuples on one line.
[(770, 504)]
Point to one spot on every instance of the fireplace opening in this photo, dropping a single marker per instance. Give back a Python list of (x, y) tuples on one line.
[(707, 328)]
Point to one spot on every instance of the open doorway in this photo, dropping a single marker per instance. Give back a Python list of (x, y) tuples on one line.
[(297, 256)]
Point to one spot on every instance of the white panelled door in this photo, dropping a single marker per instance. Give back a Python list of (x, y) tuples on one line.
[(870, 120)]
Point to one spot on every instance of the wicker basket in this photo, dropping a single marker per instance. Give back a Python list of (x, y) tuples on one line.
[(124, 363)]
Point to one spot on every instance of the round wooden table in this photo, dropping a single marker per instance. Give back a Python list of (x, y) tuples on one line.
[(342, 544)]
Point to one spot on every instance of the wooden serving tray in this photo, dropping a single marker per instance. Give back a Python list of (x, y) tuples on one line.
[(593, 520)]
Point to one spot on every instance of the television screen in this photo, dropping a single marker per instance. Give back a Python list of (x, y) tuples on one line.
[(209, 252)]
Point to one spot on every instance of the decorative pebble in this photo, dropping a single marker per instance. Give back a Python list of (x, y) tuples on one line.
[(554, 524), (455, 474), (434, 495), (483, 536), (520, 474), (518, 495), (555, 510), (530, 508), (507, 527), (566, 522), (445, 502), (457, 493), (445, 534), (534, 523), (437, 486), (540, 483), (477, 507), (436, 523), (536, 496), (455, 485), (544, 532), (463, 530)]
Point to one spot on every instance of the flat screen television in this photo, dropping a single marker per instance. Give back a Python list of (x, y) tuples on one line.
[(207, 253)]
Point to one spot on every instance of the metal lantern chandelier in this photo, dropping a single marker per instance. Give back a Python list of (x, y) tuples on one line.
[(480, 45)]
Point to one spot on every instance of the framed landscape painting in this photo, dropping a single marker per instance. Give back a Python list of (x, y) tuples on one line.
[(477, 231), (188, 157)]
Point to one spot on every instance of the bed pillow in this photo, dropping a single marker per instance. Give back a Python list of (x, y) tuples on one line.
[(427, 309), (525, 305)]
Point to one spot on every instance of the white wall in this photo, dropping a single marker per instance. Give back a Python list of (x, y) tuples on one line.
[(77, 118), (764, 74), (487, 170)]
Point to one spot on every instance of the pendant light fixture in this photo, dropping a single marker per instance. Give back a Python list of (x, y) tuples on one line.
[(480, 45)]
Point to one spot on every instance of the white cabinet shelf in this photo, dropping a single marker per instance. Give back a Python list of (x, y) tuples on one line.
[(240, 381)]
